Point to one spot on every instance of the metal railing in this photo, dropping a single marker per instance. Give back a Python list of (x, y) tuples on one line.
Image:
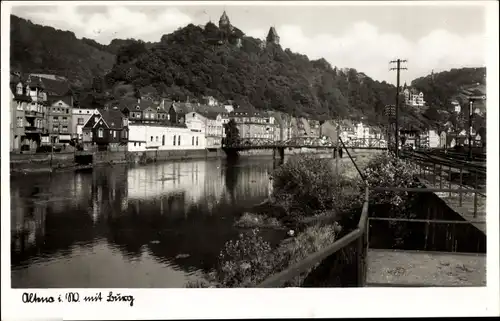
[(440, 173), (361, 233)]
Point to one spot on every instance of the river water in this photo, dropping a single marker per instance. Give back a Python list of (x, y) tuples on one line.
[(158, 225)]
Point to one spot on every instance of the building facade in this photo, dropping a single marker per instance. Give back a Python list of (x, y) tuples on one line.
[(106, 130), (208, 123), (164, 137), (60, 119), (29, 116), (255, 124), (79, 116), (413, 97)]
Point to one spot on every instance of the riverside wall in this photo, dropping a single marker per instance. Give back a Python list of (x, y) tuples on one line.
[(20, 162)]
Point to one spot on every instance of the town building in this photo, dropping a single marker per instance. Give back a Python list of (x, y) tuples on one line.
[(29, 115), (60, 119), (254, 124), (143, 111), (210, 124), (410, 137), (144, 137), (106, 130), (78, 119), (413, 97), (430, 138)]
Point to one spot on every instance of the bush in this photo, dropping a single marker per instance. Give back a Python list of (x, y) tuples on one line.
[(246, 261), (305, 185), (256, 220), (385, 170), (249, 260)]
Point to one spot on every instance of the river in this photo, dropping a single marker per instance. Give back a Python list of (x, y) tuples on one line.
[(158, 225)]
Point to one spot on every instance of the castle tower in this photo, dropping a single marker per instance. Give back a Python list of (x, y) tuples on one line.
[(272, 36), (224, 21)]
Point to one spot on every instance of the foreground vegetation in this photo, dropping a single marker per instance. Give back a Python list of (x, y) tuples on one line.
[(319, 206)]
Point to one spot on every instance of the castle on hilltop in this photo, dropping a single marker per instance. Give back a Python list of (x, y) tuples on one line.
[(227, 30)]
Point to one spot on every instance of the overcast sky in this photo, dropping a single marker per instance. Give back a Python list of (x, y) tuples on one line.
[(362, 37)]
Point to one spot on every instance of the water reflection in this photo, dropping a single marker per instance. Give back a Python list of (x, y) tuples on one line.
[(150, 226)]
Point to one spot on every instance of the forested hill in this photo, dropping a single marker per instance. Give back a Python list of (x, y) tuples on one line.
[(200, 60), (40, 49), (441, 88), (194, 61)]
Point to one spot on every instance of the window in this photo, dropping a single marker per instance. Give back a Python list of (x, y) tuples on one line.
[(192, 140), (137, 115), (151, 138), (156, 138), (56, 118), (146, 115), (65, 129), (19, 122), (196, 140), (80, 121), (179, 140), (100, 133), (67, 111), (163, 140), (114, 134), (174, 140), (60, 104), (88, 111)]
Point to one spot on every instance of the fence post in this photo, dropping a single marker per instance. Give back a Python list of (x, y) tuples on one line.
[(475, 195), (360, 260), (440, 176), (449, 179), (460, 188), (433, 174)]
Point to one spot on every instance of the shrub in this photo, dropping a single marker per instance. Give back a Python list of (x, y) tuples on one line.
[(385, 170), (257, 220), (306, 184), (246, 261)]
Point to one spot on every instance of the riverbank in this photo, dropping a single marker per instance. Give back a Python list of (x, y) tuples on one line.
[(24, 164)]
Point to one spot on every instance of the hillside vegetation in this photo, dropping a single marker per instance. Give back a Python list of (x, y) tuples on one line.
[(196, 61), (192, 62), (440, 89), (41, 49)]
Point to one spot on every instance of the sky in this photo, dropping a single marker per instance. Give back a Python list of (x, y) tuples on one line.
[(364, 37)]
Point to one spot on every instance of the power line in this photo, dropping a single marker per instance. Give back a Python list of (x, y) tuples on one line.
[(398, 69)]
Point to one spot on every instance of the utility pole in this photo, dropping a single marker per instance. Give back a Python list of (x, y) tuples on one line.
[(398, 69)]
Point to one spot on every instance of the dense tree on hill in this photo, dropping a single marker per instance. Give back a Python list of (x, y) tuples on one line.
[(440, 89), (195, 61), (42, 49)]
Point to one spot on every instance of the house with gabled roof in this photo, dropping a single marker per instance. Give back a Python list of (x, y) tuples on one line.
[(107, 129)]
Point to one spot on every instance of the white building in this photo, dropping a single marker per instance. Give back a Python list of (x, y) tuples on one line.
[(78, 118), (362, 131), (211, 124), (413, 97), (162, 137), (430, 139)]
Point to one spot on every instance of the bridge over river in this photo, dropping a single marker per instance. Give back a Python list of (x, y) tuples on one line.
[(324, 143)]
